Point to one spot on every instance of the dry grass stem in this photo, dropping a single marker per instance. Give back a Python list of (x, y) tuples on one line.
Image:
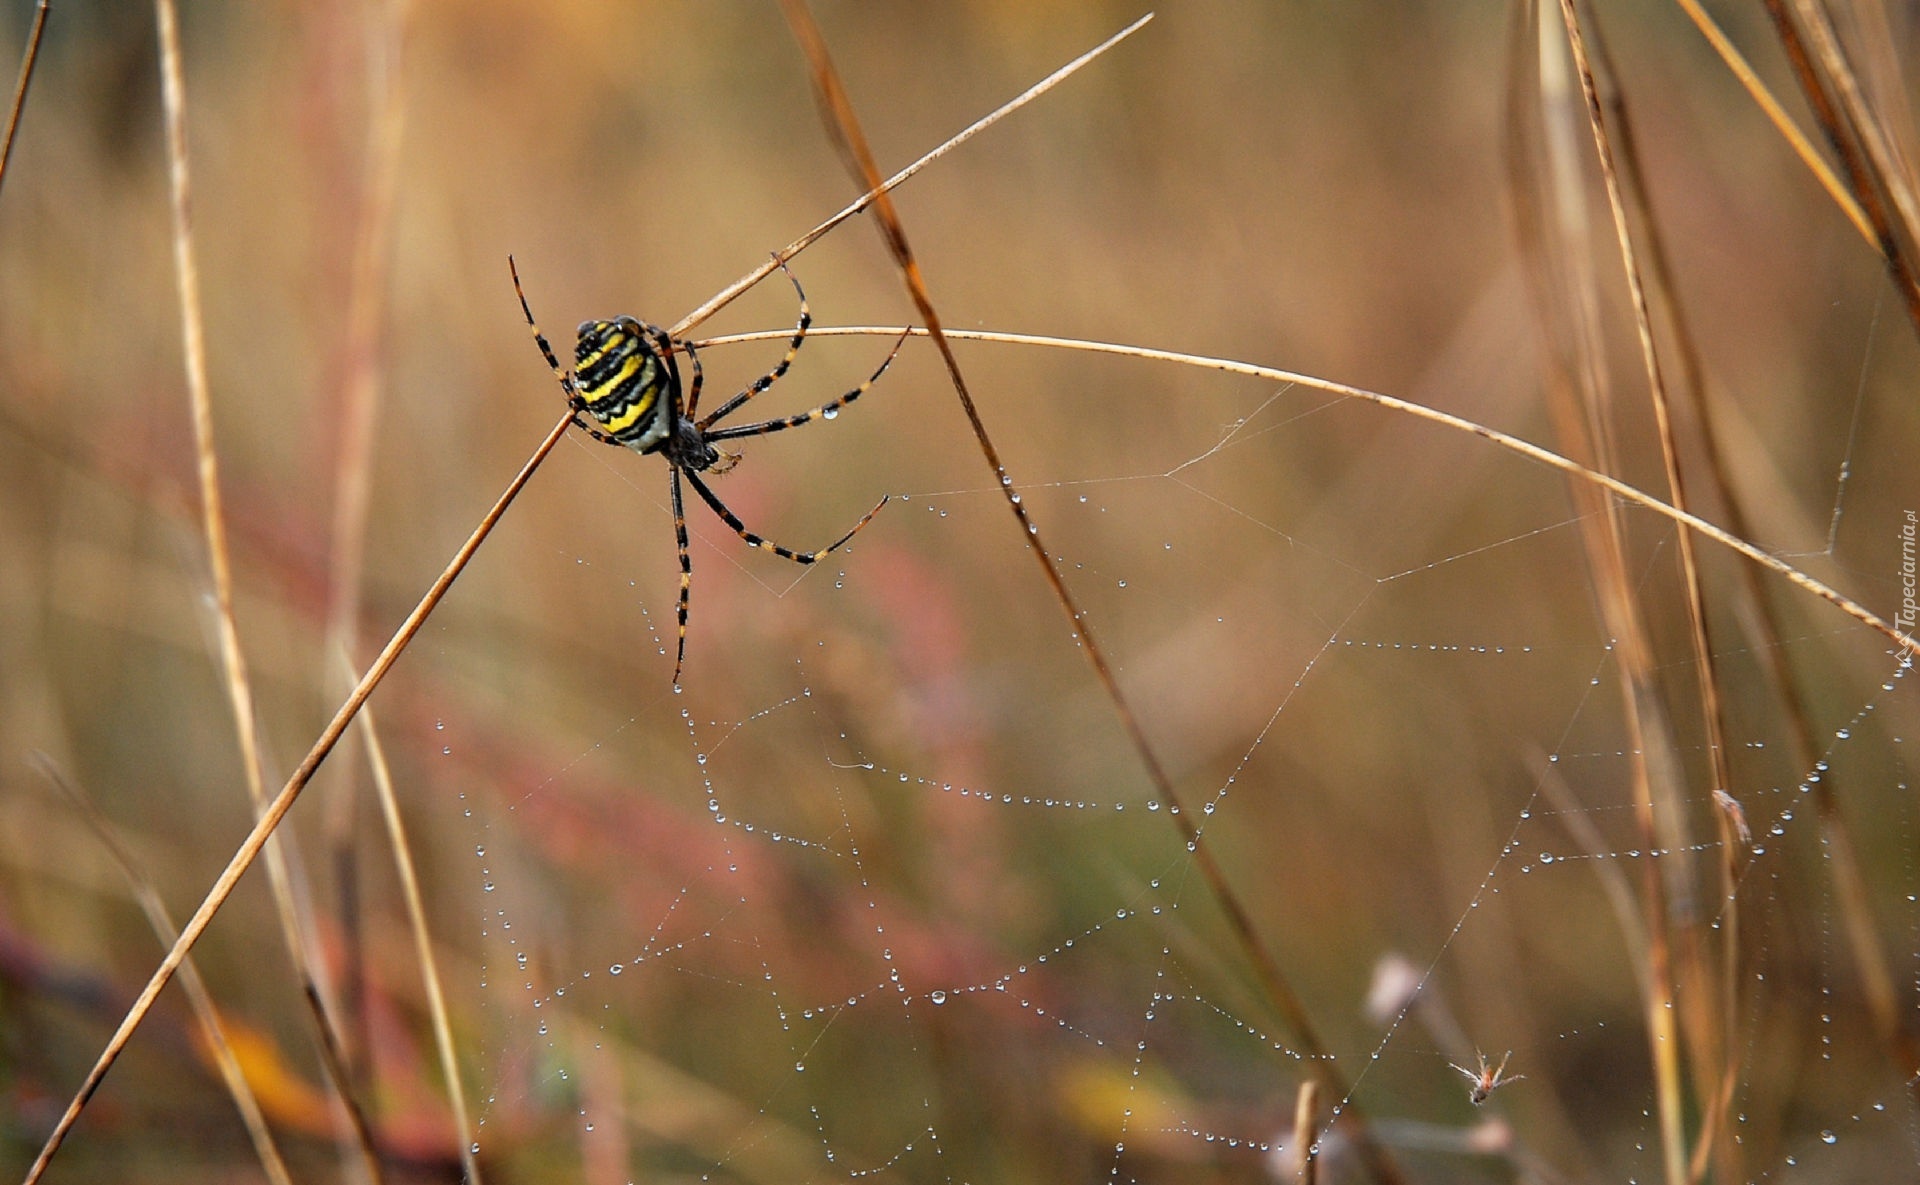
[(726, 295), (1827, 82), (198, 997), (422, 939), (844, 125), (1511, 443), (27, 59), (1663, 822), (363, 1144), (294, 929), (362, 363), (1713, 1009), (1777, 115), (1870, 959), (366, 310), (270, 817), (1306, 1111), (1888, 167), (1395, 690), (249, 849)]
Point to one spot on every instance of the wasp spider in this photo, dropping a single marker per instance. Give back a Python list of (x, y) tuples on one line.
[(625, 377)]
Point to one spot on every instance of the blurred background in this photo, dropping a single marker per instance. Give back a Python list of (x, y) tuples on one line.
[(884, 889)]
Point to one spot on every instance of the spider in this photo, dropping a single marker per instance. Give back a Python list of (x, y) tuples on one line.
[(1486, 1081), (625, 377)]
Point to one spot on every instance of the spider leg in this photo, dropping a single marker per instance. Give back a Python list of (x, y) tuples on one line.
[(540, 339), (699, 375), (664, 348), (768, 379), (567, 383), (753, 540), (598, 435), (686, 570), (824, 411)]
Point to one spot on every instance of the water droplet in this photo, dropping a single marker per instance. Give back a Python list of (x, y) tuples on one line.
[(832, 413), (938, 997)]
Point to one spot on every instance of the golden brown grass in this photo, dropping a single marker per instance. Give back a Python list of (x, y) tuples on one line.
[(1207, 190)]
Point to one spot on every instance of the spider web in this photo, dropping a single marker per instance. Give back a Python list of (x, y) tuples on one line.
[(883, 892), (898, 896)]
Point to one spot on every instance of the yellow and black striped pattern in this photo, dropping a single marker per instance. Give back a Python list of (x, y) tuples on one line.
[(622, 382)]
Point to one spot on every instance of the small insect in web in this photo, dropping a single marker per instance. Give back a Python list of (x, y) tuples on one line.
[(625, 377), (1486, 1081)]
